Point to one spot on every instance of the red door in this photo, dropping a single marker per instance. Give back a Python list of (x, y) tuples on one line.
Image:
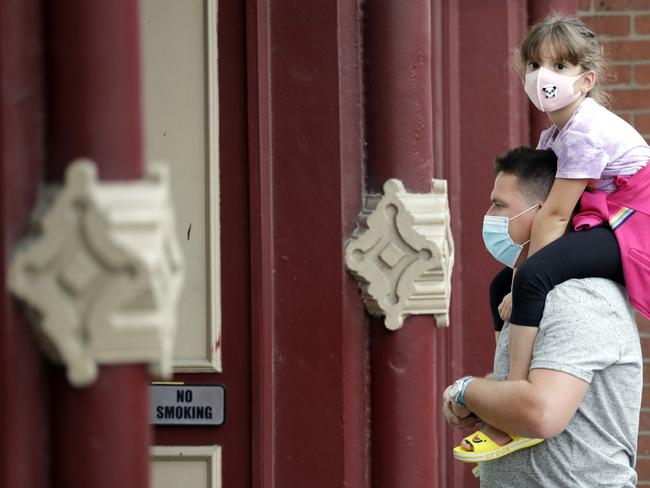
[(195, 81)]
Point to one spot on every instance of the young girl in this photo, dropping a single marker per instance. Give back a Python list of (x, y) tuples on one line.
[(602, 163)]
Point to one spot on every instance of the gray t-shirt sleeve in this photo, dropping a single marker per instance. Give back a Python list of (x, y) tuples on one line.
[(565, 344)]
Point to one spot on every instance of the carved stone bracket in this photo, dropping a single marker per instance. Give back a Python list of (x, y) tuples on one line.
[(402, 254), (103, 273)]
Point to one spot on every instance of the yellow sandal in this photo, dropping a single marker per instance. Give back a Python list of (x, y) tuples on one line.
[(485, 449)]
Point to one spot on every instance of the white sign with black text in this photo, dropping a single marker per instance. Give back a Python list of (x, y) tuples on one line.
[(177, 404)]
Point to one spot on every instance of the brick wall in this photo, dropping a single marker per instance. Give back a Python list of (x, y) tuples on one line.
[(624, 28)]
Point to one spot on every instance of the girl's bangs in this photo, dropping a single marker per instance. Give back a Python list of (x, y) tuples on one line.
[(565, 47)]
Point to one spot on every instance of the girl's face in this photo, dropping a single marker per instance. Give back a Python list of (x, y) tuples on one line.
[(550, 61)]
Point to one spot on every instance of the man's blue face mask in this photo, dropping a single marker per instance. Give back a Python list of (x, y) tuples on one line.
[(498, 241)]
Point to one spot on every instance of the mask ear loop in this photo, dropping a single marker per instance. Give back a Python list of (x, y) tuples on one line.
[(521, 213), (528, 210)]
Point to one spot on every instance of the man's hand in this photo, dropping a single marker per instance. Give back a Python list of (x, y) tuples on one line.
[(457, 415), (505, 308)]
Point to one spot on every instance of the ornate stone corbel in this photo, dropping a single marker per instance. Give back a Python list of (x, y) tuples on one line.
[(402, 253), (103, 272)]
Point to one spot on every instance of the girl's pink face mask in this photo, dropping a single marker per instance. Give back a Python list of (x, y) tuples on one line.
[(551, 91)]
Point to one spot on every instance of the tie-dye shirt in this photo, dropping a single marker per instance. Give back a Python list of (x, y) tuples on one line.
[(596, 144)]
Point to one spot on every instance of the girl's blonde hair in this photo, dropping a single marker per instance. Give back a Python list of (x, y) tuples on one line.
[(572, 41)]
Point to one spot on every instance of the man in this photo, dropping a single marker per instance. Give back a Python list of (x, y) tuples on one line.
[(583, 391)]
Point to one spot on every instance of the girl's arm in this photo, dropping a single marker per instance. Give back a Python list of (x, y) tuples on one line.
[(551, 221)]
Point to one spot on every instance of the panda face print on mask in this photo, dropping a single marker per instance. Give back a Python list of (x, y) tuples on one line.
[(551, 91)]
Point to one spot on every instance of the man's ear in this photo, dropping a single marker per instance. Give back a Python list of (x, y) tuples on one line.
[(588, 81)]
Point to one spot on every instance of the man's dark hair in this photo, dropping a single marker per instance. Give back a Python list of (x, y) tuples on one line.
[(534, 168)]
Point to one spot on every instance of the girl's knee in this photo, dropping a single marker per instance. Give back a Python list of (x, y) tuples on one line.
[(532, 278)]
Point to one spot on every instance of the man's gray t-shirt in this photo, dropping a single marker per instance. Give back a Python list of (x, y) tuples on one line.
[(587, 331)]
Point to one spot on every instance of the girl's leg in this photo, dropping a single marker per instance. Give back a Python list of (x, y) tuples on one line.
[(501, 285), (590, 253)]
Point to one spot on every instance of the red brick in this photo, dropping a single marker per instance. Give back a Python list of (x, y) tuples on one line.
[(626, 116), (584, 5), (644, 421), (642, 124), (641, 322), (642, 24), (643, 446), (627, 50), (619, 74), (646, 370), (643, 469), (642, 74), (632, 99), (612, 5), (645, 401), (612, 25), (645, 346)]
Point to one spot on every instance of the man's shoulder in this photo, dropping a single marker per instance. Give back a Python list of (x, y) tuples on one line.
[(590, 289), (587, 300)]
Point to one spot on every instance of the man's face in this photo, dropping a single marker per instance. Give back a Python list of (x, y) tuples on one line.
[(508, 201)]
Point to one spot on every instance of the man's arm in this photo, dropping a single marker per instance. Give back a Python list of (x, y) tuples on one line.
[(541, 406)]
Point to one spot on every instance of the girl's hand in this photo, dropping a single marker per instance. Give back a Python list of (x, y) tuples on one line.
[(506, 307)]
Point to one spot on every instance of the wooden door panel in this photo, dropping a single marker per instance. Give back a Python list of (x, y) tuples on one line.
[(196, 115), (182, 128)]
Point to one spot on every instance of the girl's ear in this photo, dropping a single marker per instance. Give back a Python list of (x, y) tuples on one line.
[(588, 81)]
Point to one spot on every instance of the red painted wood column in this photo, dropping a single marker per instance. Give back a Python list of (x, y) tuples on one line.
[(100, 433), (309, 327), (397, 47), (24, 408)]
